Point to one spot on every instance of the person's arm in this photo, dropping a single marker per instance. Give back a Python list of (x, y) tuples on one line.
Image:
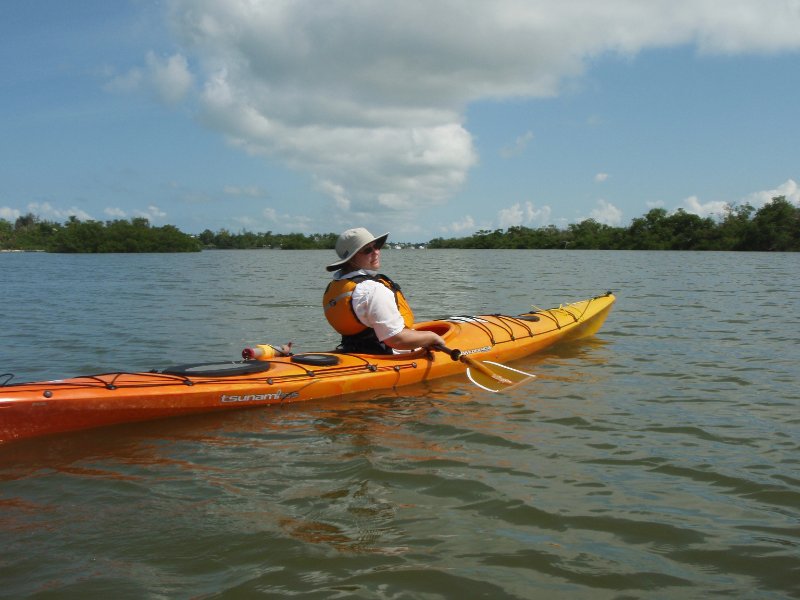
[(410, 339), (375, 306)]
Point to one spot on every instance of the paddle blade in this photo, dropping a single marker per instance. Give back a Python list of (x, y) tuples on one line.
[(495, 377)]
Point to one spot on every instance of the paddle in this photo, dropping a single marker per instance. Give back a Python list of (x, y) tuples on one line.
[(488, 375)]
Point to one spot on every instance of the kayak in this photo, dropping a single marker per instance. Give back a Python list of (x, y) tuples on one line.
[(46, 407)]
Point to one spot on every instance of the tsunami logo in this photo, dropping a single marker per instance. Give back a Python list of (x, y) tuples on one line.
[(279, 395)]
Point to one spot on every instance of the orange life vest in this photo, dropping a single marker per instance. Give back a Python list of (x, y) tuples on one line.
[(337, 302)]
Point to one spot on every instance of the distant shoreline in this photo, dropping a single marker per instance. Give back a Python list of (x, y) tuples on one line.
[(775, 227)]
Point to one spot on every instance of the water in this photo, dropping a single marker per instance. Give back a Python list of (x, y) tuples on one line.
[(659, 459)]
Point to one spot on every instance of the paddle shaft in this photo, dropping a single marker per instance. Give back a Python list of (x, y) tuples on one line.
[(478, 366)]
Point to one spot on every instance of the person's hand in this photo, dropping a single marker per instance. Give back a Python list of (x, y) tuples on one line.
[(436, 340)]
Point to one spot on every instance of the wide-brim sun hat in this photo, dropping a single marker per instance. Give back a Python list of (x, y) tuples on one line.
[(350, 242)]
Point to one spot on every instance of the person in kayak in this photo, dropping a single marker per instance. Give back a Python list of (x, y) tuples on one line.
[(366, 307)]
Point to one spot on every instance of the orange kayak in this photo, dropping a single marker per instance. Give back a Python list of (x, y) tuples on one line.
[(40, 408)]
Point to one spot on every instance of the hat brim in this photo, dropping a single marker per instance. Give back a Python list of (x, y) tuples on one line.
[(381, 239)]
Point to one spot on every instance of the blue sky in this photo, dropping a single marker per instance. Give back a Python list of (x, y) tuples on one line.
[(423, 118)]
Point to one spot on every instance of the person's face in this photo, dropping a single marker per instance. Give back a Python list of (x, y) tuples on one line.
[(368, 258)]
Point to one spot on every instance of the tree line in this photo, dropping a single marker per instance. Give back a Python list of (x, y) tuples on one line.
[(225, 240), (773, 227), (76, 236)]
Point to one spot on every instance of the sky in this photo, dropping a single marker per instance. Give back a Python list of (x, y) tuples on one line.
[(425, 118)]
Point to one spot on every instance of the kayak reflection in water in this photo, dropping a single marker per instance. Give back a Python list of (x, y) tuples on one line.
[(367, 307)]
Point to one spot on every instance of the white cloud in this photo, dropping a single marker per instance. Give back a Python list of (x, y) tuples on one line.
[(606, 213), (151, 213), (601, 177), (467, 224), (156, 212), (9, 214), (370, 98), (718, 208), (169, 78), (395, 202), (335, 191), (522, 214), (287, 222), (48, 212), (519, 145), (115, 212), (714, 208), (127, 82), (789, 189)]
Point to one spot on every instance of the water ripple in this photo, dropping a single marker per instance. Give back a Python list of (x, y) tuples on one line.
[(658, 459)]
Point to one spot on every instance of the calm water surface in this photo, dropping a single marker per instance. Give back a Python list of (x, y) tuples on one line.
[(660, 459)]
